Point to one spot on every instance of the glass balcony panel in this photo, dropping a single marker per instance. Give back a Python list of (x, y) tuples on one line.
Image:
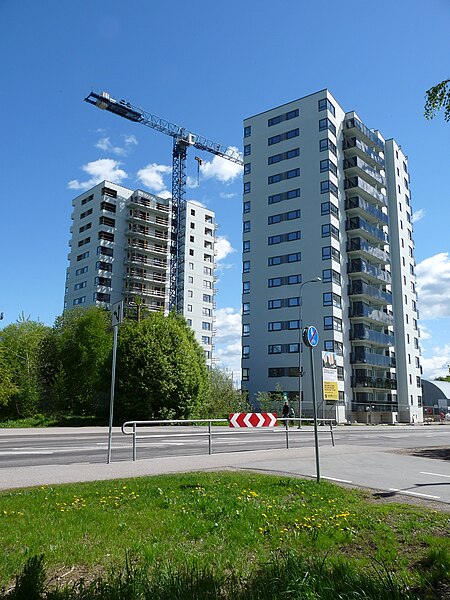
[(360, 288), (360, 332), (361, 310), (356, 223), (357, 166), (356, 204), (373, 382), (360, 245), (357, 265), (361, 187), (361, 149), (361, 355), (371, 137)]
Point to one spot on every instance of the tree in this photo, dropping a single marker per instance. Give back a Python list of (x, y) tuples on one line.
[(21, 343), (438, 97), (7, 386), (161, 371), (77, 362), (223, 398)]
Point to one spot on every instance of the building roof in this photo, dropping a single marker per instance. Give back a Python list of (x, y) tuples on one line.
[(434, 391)]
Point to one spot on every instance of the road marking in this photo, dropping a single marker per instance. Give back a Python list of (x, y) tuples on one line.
[(335, 479), (435, 474), (24, 452), (414, 493)]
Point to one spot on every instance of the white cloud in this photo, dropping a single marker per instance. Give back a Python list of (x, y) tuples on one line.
[(130, 140), (223, 248), (228, 325), (220, 168), (99, 170), (227, 196), (433, 286), (105, 144), (152, 178), (418, 215), (191, 182), (229, 357), (437, 365)]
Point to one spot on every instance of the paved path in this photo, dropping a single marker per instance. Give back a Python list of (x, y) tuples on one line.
[(386, 470)]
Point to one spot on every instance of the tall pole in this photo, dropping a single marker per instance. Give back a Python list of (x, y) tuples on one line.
[(316, 435), (300, 354), (111, 400)]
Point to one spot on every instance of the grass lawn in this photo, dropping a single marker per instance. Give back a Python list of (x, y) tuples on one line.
[(236, 531)]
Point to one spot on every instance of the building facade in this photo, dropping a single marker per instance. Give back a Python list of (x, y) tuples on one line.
[(326, 197), (121, 247)]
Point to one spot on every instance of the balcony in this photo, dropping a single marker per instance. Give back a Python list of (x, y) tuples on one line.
[(148, 218), (353, 126), (357, 205), (356, 186), (357, 265), (141, 275), (359, 148), (360, 288), (383, 383), (142, 259), (362, 355), (360, 332), (361, 310), (144, 245), (357, 166), (148, 202), (362, 227), (367, 250)]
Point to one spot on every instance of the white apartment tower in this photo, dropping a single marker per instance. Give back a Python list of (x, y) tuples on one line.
[(121, 248), (326, 197)]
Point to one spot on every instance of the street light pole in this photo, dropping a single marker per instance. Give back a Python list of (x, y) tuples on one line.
[(300, 328)]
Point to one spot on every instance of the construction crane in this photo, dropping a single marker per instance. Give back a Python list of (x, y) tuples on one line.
[(182, 139)]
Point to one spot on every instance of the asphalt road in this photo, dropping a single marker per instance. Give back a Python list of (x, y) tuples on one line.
[(404, 460)]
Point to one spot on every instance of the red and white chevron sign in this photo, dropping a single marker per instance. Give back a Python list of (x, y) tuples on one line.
[(253, 419)]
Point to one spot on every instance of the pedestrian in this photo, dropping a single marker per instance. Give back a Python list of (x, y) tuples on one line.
[(286, 411)]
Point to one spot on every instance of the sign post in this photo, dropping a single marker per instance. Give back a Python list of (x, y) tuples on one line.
[(311, 339), (116, 319)]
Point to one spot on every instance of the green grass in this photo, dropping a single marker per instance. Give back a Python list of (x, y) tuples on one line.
[(49, 421), (225, 531)]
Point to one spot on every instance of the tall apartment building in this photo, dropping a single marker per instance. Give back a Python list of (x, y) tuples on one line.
[(325, 196), (121, 247)]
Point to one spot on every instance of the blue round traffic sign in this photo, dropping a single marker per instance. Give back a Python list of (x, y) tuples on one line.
[(311, 336)]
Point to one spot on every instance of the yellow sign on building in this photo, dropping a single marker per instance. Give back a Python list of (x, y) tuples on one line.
[(329, 377)]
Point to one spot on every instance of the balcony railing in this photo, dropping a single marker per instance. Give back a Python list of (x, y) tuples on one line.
[(357, 183), (363, 356), (360, 288), (356, 202), (365, 311), (359, 164), (357, 265), (356, 223), (360, 332), (350, 143), (358, 244), (373, 382), (371, 136)]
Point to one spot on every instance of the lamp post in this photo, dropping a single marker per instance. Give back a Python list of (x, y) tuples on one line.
[(300, 327)]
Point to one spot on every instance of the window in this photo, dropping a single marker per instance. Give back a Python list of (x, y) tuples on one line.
[(284, 196), (286, 258), (275, 304), (246, 246), (82, 270), (105, 281), (189, 307), (332, 323), (275, 349), (327, 144), (325, 124), (108, 207), (327, 208), (330, 252), (275, 326), (246, 226), (247, 150), (328, 186), (247, 131), (245, 351), (284, 117), (190, 294), (192, 238), (330, 299), (330, 230), (275, 282), (207, 284), (325, 104), (207, 271), (84, 242), (246, 287), (331, 276), (86, 200), (247, 187), (190, 279), (81, 285), (107, 221), (281, 176), (105, 235), (245, 374), (276, 158), (193, 212), (287, 216), (81, 256), (85, 227), (246, 266), (80, 300), (86, 213), (282, 136), (191, 266), (328, 165), (247, 168), (105, 251), (206, 326), (246, 206), (207, 258), (206, 312), (246, 308), (245, 330), (191, 252), (206, 339), (207, 298), (192, 225)]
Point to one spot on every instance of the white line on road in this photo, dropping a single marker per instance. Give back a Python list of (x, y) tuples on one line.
[(25, 452), (414, 493), (336, 479), (435, 474)]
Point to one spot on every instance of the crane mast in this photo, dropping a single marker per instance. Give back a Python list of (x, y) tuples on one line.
[(182, 139)]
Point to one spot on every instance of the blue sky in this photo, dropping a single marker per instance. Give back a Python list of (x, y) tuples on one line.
[(206, 66)]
